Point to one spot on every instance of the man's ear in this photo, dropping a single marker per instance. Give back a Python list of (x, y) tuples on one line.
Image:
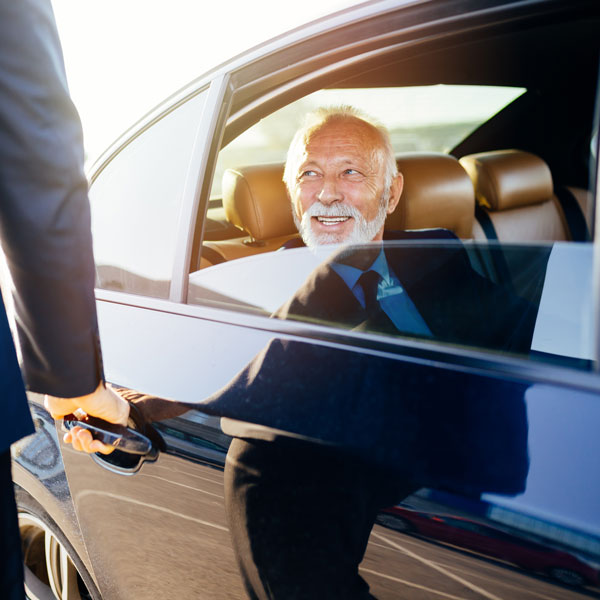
[(395, 193)]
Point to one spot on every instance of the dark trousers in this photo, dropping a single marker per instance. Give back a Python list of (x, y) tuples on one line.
[(300, 517), (11, 563)]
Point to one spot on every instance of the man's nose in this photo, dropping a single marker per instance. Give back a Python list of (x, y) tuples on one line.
[(330, 191)]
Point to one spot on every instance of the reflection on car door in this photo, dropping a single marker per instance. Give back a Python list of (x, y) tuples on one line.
[(167, 521)]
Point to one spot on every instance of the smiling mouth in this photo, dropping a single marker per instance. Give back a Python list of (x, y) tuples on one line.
[(332, 220)]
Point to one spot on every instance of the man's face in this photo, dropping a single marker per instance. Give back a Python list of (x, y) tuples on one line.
[(338, 193)]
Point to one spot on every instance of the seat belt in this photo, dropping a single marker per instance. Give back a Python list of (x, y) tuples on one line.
[(496, 255), (486, 223), (573, 214)]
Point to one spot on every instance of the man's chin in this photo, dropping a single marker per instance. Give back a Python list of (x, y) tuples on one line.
[(312, 238)]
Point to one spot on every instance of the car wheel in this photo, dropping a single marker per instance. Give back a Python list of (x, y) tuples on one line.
[(396, 523), (52, 568), (566, 576)]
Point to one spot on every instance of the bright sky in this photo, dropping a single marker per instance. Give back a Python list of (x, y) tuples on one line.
[(124, 56)]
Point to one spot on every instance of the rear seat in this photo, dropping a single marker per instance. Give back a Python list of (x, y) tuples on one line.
[(437, 193), (515, 197), (517, 203)]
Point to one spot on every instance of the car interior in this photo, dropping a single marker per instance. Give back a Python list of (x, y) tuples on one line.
[(524, 175)]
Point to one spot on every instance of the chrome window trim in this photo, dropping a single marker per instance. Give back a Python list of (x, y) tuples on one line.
[(596, 241), (434, 354)]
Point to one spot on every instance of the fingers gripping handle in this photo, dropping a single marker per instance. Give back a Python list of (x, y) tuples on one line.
[(121, 437)]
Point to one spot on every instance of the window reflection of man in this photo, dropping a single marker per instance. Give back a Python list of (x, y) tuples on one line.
[(295, 508), (298, 508)]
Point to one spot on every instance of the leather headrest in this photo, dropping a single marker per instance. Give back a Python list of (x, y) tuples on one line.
[(255, 200), (437, 193), (508, 178)]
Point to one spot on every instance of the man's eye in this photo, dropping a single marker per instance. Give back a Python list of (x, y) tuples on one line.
[(308, 173), (351, 172)]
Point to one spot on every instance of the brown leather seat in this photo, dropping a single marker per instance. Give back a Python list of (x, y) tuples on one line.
[(515, 189), (437, 193)]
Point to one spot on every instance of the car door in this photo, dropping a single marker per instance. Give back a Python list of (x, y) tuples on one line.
[(498, 440), (496, 437)]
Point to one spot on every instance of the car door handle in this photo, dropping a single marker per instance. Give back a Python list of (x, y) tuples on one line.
[(124, 438), (132, 448)]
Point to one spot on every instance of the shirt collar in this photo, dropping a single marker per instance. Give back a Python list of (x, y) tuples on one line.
[(350, 274)]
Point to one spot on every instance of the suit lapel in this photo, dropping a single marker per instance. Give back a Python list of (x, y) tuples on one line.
[(324, 297)]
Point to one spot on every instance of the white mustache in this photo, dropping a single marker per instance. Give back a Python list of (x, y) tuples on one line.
[(319, 209)]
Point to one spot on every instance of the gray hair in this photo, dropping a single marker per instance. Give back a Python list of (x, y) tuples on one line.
[(324, 115)]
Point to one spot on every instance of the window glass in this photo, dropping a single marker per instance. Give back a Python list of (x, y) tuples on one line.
[(420, 118), (136, 202), (443, 291)]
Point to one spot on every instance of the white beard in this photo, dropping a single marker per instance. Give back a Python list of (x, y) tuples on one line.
[(362, 232)]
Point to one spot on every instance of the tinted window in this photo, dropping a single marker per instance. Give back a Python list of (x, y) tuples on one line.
[(442, 291)]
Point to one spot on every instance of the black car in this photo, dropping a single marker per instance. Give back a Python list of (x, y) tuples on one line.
[(492, 110)]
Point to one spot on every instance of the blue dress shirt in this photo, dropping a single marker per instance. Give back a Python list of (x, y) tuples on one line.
[(391, 296)]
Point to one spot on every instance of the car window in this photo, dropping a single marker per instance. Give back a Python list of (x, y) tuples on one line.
[(420, 118), (135, 203), (442, 292)]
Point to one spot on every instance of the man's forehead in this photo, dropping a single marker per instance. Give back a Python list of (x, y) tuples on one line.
[(343, 143), (348, 128)]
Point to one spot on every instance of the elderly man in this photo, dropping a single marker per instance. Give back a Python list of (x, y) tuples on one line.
[(343, 182), (300, 514)]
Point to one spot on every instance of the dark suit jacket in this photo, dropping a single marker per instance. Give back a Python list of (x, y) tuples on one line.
[(44, 221), (458, 305)]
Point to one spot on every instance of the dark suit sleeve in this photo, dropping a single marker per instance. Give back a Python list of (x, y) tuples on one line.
[(44, 209)]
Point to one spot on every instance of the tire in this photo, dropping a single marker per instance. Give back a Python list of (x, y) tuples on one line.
[(52, 568), (567, 576)]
